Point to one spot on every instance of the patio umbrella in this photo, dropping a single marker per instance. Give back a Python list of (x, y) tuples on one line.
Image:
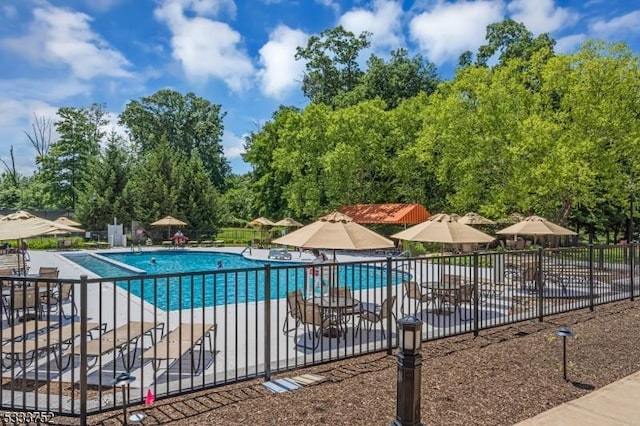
[(22, 224), (168, 221), (287, 222), (261, 221), (335, 231), (472, 218), (442, 228), (535, 225), (66, 221)]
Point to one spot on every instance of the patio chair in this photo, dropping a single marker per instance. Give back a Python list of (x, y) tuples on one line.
[(186, 338), (412, 292), (21, 300), (315, 322), (465, 294), (293, 310), (377, 315), (59, 297)]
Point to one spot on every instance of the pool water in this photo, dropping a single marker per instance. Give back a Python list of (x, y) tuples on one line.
[(239, 280)]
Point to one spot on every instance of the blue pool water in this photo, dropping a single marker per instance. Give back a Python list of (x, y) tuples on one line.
[(239, 280)]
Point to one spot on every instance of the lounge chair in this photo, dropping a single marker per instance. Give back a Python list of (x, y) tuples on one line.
[(185, 338), (120, 339), (23, 330), (376, 315), (55, 340), (21, 300)]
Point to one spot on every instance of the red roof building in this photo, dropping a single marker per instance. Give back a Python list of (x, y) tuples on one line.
[(391, 214)]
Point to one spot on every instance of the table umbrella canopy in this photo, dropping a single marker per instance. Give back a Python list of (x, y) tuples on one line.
[(472, 218), (22, 224), (66, 221), (335, 231), (261, 221), (535, 225), (168, 221), (288, 223), (443, 228)]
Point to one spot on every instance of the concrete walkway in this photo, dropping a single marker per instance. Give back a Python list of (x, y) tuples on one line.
[(614, 404)]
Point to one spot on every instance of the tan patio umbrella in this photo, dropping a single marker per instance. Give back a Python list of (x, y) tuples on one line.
[(535, 225), (66, 221), (22, 224), (442, 228), (335, 231), (261, 221), (472, 218), (287, 222), (168, 221)]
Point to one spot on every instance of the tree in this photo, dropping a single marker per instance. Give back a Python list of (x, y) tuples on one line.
[(331, 64), (40, 136), (62, 168), (400, 78), (106, 179), (186, 122), (512, 40)]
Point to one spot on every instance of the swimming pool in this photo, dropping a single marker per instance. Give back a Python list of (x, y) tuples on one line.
[(201, 283)]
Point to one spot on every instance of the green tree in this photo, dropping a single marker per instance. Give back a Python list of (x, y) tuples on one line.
[(331, 64), (400, 78), (187, 122), (64, 166), (511, 39), (106, 177)]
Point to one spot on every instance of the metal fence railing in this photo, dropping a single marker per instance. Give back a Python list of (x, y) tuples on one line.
[(64, 341)]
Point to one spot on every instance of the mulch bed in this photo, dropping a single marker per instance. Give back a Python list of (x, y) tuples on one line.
[(503, 376)]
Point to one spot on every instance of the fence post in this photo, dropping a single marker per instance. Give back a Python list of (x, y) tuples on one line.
[(540, 284), (267, 322), (83, 350), (591, 290), (476, 310), (389, 308), (632, 253)]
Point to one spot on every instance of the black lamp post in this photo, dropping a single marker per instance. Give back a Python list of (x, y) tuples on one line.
[(564, 332), (409, 372), (124, 380)]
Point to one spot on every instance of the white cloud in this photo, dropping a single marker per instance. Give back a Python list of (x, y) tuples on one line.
[(102, 5), (62, 37), (206, 48), (46, 89), (619, 26), (541, 16), (331, 4), (209, 8), (383, 22), (449, 29), (233, 145), (570, 43), (9, 11), (281, 72)]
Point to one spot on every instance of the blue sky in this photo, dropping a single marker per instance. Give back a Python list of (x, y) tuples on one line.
[(240, 53)]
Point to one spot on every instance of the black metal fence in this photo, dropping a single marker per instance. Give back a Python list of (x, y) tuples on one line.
[(64, 341)]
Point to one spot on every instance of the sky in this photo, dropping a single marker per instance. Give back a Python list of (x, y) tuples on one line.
[(240, 53)]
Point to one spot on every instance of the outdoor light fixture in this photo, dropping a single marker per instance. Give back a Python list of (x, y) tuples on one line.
[(409, 372), (124, 380), (564, 332), (409, 334)]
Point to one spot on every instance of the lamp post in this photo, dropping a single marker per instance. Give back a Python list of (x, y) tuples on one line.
[(124, 380), (94, 201), (409, 372), (564, 332)]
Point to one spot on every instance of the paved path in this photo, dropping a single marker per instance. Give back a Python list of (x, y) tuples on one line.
[(612, 405)]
